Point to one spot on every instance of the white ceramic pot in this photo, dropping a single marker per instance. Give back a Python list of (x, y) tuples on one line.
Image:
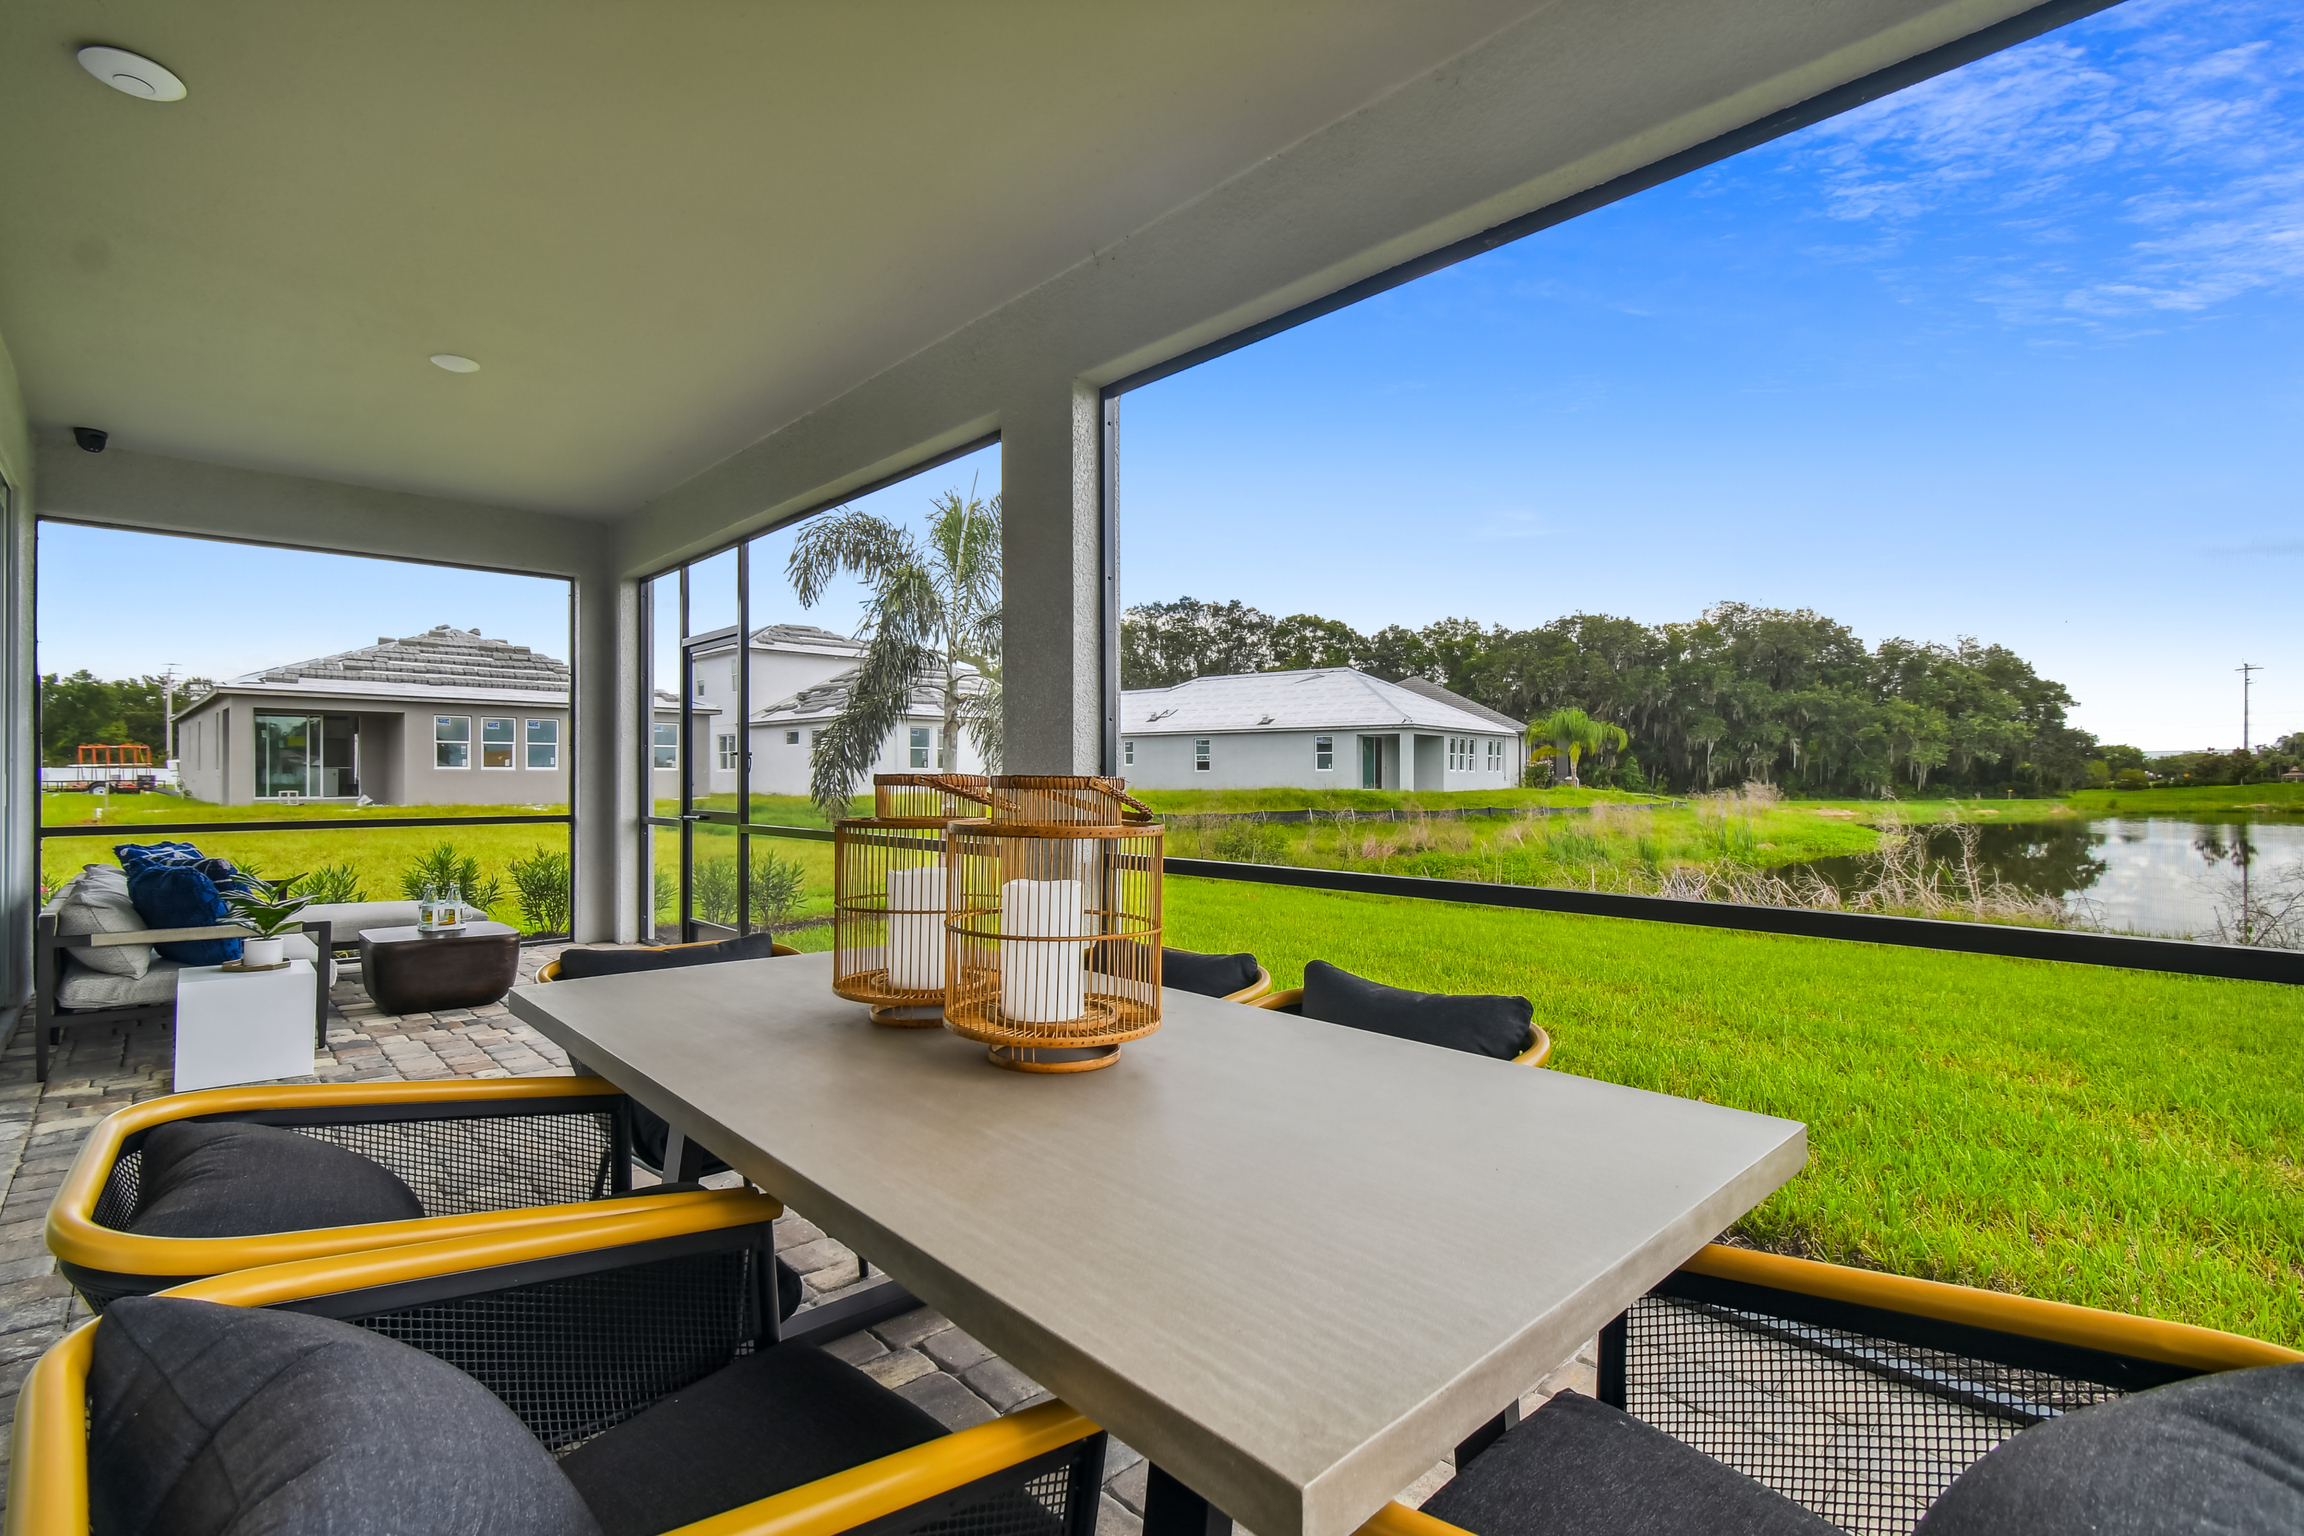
[(263, 951)]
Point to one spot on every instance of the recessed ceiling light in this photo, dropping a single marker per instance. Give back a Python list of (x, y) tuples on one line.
[(453, 363), (132, 73)]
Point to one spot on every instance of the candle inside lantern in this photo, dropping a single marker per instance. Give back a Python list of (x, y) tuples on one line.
[(1041, 983), (916, 927)]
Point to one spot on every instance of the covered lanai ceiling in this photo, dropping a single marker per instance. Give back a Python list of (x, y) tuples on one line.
[(663, 230)]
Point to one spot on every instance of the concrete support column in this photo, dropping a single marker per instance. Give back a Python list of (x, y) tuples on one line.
[(608, 734), (1052, 574)]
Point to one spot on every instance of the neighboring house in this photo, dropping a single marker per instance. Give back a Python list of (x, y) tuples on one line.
[(1327, 728), (785, 733), (447, 717), (800, 676)]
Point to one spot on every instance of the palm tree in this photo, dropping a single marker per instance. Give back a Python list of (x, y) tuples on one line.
[(1569, 734), (933, 621)]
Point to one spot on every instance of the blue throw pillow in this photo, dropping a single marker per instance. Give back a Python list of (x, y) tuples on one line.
[(179, 896), (135, 856)]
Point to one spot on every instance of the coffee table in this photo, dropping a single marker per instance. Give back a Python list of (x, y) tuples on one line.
[(1190, 1246), (409, 970)]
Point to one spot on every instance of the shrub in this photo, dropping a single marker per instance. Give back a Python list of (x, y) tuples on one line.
[(334, 885), (2130, 778), (443, 867), (712, 885), (1251, 842), (776, 887), (541, 884), (667, 895)]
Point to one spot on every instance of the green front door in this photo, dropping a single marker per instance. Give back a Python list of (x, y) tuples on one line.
[(1371, 762)]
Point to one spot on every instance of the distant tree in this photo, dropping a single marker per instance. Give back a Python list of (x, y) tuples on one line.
[(1163, 644), (1302, 641), (84, 708), (1395, 653), (933, 619)]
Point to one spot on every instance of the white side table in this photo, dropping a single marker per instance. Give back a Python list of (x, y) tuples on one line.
[(242, 1026)]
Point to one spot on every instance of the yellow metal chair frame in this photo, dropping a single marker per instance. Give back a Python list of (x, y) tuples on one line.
[(1813, 1322), (48, 1480), (407, 1119), (1291, 1000), (1255, 991), (550, 970)]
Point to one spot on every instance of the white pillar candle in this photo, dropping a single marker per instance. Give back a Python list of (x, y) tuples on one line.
[(1041, 983), (916, 927)]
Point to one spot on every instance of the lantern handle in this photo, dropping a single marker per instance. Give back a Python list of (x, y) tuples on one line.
[(959, 786)]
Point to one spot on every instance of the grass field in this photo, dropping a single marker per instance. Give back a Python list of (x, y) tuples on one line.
[(2114, 1138), (69, 810), (377, 854)]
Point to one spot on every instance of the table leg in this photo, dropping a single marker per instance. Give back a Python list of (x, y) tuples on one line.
[(1611, 1388), (683, 1159), (1487, 1435), (1172, 1509)]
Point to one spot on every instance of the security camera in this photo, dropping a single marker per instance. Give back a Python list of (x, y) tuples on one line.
[(90, 438)]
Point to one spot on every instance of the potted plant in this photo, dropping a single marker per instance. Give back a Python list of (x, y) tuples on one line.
[(266, 907)]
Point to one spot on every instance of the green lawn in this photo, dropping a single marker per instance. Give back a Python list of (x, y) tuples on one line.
[(2114, 1138), (72, 810), (2241, 802)]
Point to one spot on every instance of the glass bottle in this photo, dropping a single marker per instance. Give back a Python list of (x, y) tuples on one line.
[(452, 913), (428, 909)]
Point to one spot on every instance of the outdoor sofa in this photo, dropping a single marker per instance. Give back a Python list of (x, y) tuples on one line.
[(95, 962)]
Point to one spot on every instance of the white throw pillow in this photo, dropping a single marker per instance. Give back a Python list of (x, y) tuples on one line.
[(96, 901)]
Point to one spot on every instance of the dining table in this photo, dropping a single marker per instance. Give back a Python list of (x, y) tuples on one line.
[(1293, 1264)]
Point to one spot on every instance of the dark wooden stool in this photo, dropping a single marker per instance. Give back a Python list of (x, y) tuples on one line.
[(407, 970)]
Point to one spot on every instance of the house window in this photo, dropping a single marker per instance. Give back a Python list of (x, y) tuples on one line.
[(1324, 754), (1128, 753), (1495, 756), (496, 743), (543, 743), (919, 746), (726, 746), (1200, 755), (731, 677), (791, 738), (666, 747), (699, 687), (451, 741)]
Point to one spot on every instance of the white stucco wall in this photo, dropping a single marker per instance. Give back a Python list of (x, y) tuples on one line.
[(1286, 759)]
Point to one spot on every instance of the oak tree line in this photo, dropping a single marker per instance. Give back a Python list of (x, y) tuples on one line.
[(1783, 696)]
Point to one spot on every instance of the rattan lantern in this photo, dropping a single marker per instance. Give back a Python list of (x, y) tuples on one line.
[(1054, 958), (890, 893)]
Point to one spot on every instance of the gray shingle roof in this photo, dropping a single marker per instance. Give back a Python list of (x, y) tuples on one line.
[(805, 634), (1318, 699), (830, 696), (1469, 706), (441, 657)]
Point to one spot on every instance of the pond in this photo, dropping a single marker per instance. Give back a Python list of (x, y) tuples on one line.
[(2153, 875)]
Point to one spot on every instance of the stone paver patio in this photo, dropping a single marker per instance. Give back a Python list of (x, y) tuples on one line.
[(919, 1355)]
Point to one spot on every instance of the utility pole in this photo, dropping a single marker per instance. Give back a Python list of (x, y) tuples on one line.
[(168, 714), (2247, 679)]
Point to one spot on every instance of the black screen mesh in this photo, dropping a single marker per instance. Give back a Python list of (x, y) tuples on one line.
[(1041, 1507), (1864, 1431), (456, 1167), (576, 1356)]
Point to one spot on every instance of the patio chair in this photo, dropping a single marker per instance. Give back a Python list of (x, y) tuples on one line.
[(654, 1144), (1232, 978), (1752, 1392), (373, 1165), (634, 1347), (1479, 1033)]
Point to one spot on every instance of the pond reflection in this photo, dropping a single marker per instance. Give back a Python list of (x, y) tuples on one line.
[(2153, 875)]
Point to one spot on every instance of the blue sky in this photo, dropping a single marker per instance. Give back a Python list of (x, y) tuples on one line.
[(2017, 353)]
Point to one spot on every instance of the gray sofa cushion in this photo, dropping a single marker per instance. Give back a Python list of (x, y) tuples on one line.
[(79, 987), (770, 1422), (2221, 1453), (229, 1179), (96, 901), (1580, 1468), (206, 1420)]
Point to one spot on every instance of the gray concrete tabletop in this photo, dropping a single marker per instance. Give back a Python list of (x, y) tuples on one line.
[(1091, 1228)]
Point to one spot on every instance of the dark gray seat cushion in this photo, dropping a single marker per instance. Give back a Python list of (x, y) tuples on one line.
[(576, 964), (2221, 1453), (223, 1179), (207, 1420), (771, 1421), (1209, 975), (1580, 1468), (1482, 1024)]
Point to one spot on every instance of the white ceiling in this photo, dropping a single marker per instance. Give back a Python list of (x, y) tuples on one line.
[(663, 229)]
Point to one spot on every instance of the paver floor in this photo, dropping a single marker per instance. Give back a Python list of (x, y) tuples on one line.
[(94, 1071)]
